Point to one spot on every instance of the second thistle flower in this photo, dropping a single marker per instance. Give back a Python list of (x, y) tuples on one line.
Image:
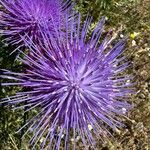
[(25, 17)]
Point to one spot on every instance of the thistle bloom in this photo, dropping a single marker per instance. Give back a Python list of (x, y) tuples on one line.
[(21, 17), (78, 84)]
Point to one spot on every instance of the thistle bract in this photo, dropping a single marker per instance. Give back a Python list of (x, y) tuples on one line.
[(78, 85), (21, 17)]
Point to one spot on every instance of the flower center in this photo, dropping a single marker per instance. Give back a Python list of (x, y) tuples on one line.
[(75, 85)]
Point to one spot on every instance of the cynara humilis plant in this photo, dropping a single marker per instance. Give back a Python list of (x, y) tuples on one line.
[(21, 17), (77, 83)]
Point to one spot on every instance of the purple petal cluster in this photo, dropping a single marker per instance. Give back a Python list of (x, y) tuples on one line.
[(21, 17), (77, 82)]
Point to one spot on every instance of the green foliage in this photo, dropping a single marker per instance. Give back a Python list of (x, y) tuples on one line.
[(132, 15)]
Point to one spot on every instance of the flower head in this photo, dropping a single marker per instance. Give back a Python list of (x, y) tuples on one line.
[(78, 83), (21, 17)]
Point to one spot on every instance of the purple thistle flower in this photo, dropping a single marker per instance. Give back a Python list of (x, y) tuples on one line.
[(78, 83), (21, 17)]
